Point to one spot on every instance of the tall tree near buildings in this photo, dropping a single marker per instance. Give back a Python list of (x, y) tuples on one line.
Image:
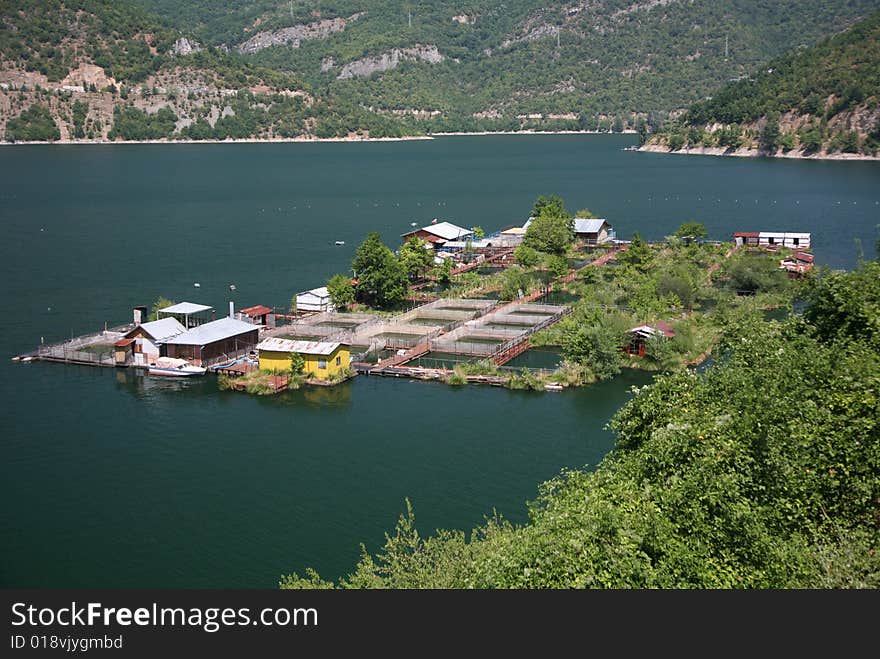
[(382, 280), (416, 257), (341, 291)]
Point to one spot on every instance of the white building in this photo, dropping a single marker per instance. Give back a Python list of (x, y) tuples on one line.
[(317, 299)]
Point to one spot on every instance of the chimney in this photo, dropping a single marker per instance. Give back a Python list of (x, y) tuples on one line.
[(231, 309)]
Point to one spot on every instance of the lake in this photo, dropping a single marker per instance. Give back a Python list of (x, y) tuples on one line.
[(113, 479)]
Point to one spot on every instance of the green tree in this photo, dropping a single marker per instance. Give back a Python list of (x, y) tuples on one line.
[(297, 363), (526, 256), (479, 234), (551, 229), (382, 280), (595, 346), (341, 291), (516, 283), (444, 272), (416, 257), (692, 229), (160, 303), (769, 138), (637, 253), (34, 124), (558, 266), (552, 204)]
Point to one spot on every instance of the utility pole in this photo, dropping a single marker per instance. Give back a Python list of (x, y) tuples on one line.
[(557, 37), (410, 17), (725, 47)]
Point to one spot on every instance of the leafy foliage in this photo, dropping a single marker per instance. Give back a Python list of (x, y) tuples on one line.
[(827, 89), (34, 124), (762, 472), (382, 280), (551, 229), (341, 291)]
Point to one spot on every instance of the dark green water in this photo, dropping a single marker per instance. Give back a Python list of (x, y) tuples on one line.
[(111, 479)]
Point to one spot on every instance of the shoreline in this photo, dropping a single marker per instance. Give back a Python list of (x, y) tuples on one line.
[(753, 153), (313, 140)]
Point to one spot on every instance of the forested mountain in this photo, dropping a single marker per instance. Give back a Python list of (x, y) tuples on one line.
[(381, 68), (818, 100)]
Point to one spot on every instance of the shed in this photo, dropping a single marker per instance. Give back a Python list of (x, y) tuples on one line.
[(639, 336), (593, 231), (214, 341), (745, 238), (149, 339), (259, 315), (317, 299), (123, 351), (323, 359), (795, 240), (440, 233)]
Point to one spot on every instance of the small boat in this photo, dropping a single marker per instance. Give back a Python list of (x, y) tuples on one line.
[(175, 368), (340, 242), (553, 386), (231, 287), (197, 285)]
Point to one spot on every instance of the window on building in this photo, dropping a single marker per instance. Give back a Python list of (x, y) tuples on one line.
[(339, 361), (322, 363), (797, 241)]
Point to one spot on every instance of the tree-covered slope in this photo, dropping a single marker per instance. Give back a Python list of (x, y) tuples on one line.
[(580, 59), (102, 69), (762, 472), (820, 99), (383, 68)]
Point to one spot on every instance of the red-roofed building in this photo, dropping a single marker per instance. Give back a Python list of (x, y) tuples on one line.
[(259, 315), (639, 337)]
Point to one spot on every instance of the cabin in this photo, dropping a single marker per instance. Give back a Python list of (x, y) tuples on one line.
[(323, 360), (745, 238), (772, 239), (786, 239), (438, 234), (258, 315), (123, 352), (149, 339), (593, 231), (191, 314), (639, 337), (317, 299), (218, 340), (797, 265)]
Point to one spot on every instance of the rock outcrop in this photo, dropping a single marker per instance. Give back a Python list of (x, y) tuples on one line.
[(294, 36), (367, 66)]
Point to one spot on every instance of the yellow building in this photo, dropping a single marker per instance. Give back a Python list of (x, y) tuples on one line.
[(323, 360)]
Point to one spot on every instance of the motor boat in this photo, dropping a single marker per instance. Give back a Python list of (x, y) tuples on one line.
[(175, 368)]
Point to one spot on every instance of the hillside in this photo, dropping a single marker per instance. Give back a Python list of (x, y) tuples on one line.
[(761, 472), (105, 70), (269, 68), (817, 101), (475, 63)]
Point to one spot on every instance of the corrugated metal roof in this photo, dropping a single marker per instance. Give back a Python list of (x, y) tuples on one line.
[(321, 292), (216, 330), (322, 348), (445, 230), (588, 225), (258, 310), (163, 329), (186, 308)]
